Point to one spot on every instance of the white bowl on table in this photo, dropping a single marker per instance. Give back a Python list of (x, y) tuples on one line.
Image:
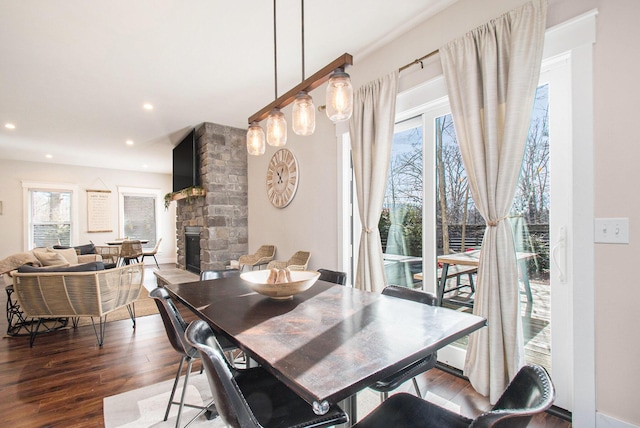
[(301, 280)]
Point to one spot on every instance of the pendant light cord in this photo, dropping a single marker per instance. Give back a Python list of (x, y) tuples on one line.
[(275, 51), (302, 20)]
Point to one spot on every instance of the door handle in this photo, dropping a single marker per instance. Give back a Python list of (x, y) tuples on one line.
[(559, 249)]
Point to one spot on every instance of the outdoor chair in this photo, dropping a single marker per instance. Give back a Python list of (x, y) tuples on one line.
[(264, 255), (392, 382), (253, 397), (530, 392), (298, 261), (152, 253)]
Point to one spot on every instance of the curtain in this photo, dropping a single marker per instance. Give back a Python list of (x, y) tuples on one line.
[(371, 133), (491, 75)]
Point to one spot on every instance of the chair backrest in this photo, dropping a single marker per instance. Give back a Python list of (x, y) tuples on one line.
[(155, 247), (334, 276), (230, 403), (216, 274), (300, 258), (130, 249), (410, 294), (531, 391), (266, 251), (173, 322)]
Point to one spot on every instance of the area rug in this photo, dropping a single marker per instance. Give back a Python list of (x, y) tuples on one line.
[(145, 407)]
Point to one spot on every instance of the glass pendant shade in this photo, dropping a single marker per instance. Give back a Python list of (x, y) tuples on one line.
[(276, 128), (304, 114), (255, 139), (339, 96)]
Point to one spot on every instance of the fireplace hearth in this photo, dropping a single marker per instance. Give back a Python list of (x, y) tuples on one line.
[(192, 248)]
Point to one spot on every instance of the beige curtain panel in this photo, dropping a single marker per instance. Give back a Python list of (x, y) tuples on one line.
[(371, 133), (491, 75)]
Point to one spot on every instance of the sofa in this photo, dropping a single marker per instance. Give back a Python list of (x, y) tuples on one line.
[(73, 291), (60, 256)]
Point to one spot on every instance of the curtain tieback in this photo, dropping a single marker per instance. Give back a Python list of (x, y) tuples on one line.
[(494, 223), (366, 230)]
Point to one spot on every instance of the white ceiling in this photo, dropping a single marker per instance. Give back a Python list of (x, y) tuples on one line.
[(74, 74)]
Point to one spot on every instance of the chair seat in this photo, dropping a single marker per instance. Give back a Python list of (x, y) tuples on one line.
[(408, 411), (395, 380), (275, 405)]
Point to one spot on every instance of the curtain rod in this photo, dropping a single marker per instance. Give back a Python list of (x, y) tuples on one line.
[(419, 60)]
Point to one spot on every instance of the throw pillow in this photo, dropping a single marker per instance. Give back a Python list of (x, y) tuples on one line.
[(69, 254), (50, 259), (80, 249), (16, 260)]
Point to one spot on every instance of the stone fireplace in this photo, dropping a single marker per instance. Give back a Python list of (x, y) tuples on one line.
[(214, 226)]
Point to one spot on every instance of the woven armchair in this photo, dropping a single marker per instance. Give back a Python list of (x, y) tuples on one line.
[(261, 257), (92, 294), (298, 261)]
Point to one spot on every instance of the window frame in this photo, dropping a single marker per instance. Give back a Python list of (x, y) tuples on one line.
[(138, 191), (28, 187)]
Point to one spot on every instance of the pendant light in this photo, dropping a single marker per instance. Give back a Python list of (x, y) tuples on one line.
[(255, 139), (276, 128), (304, 112), (276, 123), (339, 96)]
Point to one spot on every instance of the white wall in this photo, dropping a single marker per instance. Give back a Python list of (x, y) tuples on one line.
[(12, 220), (308, 222)]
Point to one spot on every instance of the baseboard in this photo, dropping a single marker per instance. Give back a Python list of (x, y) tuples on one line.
[(604, 421)]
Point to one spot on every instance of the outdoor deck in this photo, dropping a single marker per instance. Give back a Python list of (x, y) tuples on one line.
[(536, 317)]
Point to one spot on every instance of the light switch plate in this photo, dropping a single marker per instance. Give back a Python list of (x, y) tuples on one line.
[(612, 230)]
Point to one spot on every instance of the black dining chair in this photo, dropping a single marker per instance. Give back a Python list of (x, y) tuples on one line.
[(334, 276), (530, 392), (175, 327), (392, 382), (253, 397), (217, 274)]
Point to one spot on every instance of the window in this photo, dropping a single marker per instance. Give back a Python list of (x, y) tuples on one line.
[(51, 214), (139, 214)]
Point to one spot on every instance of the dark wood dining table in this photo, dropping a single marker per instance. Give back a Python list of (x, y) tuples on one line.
[(330, 341)]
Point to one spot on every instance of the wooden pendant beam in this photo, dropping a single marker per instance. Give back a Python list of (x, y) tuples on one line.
[(307, 85)]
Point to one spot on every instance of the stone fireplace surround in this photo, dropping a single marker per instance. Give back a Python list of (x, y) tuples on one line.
[(222, 214)]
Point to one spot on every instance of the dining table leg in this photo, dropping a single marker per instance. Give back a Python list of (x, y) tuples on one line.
[(350, 407)]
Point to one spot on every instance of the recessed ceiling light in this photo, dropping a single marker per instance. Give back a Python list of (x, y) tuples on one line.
[(145, 166), (129, 142), (147, 106), (48, 156), (9, 126)]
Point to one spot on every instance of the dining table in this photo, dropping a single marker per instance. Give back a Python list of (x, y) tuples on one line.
[(328, 342), (120, 241)]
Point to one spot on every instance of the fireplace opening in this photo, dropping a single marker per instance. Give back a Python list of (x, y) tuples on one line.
[(192, 248)]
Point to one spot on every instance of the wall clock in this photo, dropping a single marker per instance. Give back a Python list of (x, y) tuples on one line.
[(282, 178)]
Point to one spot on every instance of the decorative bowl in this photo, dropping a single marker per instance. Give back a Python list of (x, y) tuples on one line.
[(301, 280)]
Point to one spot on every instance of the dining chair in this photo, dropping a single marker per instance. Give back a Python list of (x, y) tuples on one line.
[(392, 382), (216, 274), (298, 261), (253, 397), (152, 252), (334, 276), (530, 392), (130, 250), (175, 327)]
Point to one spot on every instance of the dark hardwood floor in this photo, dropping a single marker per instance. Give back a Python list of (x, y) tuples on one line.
[(62, 380)]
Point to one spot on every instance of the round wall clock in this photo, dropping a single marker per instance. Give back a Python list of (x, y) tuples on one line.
[(282, 178)]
